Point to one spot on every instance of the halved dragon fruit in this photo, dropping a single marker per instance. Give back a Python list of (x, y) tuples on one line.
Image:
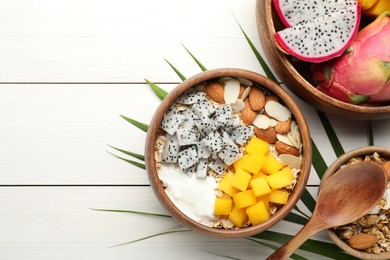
[(322, 37), (171, 149), (187, 158), (172, 120)]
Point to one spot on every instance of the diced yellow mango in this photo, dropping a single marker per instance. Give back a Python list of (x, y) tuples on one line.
[(256, 145), (222, 206), (271, 165), (239, 164), (237, 216), (241, 180), (278, 196), (265, 199), (254, 162), (287, 171), (278, 180), (244, 199), (260, 186), (225, 184), (257, 213), (255, 176)]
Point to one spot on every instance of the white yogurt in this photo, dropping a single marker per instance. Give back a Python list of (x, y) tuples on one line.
[(194, 196)]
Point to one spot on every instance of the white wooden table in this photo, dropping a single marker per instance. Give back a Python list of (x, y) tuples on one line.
[(68, 69)]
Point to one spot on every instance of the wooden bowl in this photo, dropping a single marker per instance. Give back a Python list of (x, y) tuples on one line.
[(155, 126), (360, 152), (296, 74)]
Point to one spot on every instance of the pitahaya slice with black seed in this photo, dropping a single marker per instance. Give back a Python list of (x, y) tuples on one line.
[(223, 116), (321, 38), (213, 142), (203, 108), (190, 171), (189, 119), (187, 158), (292, 12), (186, 136), (172, 120), (203, 152), (201, 169), (171, 149), (217, 165), (191, 97), (242, 134), (205, 125), (230, 151)]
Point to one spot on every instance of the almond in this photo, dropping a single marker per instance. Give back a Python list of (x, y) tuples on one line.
[(268, 135), (242, 89), (215, 91), (248, 115), (362, 241), (256, 99), (387, 168), (271, 98), (283, 127), (283, 148)]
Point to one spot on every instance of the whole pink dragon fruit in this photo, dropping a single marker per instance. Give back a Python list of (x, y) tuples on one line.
[(362, 73)]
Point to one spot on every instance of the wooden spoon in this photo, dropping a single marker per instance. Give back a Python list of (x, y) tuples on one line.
[(346, 196)]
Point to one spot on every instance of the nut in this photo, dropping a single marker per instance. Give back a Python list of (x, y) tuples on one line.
[(215, 91), (283, 127), (248, 115), (362, 241), (271, 98), (283, 148), (268, 135), (242, 89), (256, 99)]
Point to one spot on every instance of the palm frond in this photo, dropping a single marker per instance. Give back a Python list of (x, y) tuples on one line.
[(157, 90), (178, 73), (144, 127)]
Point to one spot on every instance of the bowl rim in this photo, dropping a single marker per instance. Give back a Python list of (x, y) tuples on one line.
[(361, 151), (152, 135), (266, 5)]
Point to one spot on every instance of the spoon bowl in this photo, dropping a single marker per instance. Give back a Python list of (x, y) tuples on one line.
[(346, 196)]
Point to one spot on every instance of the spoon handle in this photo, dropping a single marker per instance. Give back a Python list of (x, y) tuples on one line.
[(289, 248)]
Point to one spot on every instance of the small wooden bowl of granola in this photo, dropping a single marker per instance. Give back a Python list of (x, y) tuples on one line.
[(228, 153), (366, 237)]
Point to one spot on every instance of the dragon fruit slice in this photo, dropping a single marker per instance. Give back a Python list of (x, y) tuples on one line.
[(191, 97), (187, 158), (242, 134), (321, 38), (292, 12), (223, 116), (205, 125), (190, 171), (201, 169), (217, 165), (213, 142), (230, 152), (171, 149), (172, 120), (203, 108), (189, 119), (203, 152), (186, 136)]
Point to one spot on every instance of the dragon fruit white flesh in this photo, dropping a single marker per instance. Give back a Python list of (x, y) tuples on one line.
[(213, 142), (172, 120), (186, 136), (217, 165), (230, 151), (171, 149), (191, 97), (201, 169), (187, 157), (202, 108), (322, 37)]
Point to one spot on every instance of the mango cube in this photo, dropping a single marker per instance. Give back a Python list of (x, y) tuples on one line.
[(287, 171), (260, 186), (237, 216), (271, 165), (265, 199), (244, 199), (239, 164), (241, 180), (256, 145), (254, 163), (255, 176), (278, 180), (222, 206), (257, 213), (278, 196), (226, 186)]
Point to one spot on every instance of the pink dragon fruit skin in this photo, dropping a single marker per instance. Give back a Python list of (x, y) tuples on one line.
[(362, 73)]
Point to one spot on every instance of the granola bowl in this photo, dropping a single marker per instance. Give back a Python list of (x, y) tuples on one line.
[(228, 153), (369, 236)]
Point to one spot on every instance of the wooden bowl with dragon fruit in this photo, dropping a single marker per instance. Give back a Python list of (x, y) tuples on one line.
[(228, 153), (321, 86)]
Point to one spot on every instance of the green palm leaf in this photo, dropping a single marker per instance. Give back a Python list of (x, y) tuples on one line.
[(135, 155), (295, 218), (334, 141), (157, 90), (134, 212), (178, 73), (137, 164), (203, 68), (318, 161), (144, 127)]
